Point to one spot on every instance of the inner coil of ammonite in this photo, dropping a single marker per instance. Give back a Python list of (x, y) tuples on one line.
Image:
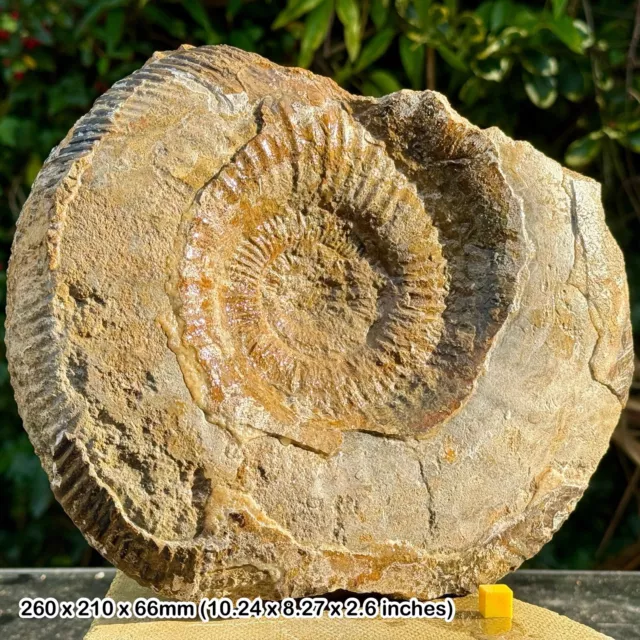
[(312, 285)]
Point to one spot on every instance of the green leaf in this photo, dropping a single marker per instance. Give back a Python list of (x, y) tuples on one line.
[(233, 6), (370, 89), (176, 28), (587, 36), (604, 80), (632, 140), (538, 63), (379, 12), (70, 92), (484, 12), (412, 57), (375, 48), (541, 90), (422, 10), (571, 81), (493, 69), (559, 7), (499, 44), (198, 13), (627, 121), (294, 9), (102, 66), (42, 34), (437, 19), (402, 7), (583, 151), (472, 90), (9, 128), (114, 29), (315, 30), (524, 18), (96, 10), (241, 39), (8, 22), (348, 13), (452, 5), (499, 14), (613, 133), (617, 57), (470, 30), (385, 81), (568, 32), (451, 58)]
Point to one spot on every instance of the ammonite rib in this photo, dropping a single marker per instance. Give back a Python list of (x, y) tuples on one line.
[(272, 339), (342, 349)]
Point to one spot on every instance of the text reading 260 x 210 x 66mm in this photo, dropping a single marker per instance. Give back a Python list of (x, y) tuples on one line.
[(224, 608)]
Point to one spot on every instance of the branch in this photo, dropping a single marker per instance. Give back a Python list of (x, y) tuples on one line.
[(431, 68)]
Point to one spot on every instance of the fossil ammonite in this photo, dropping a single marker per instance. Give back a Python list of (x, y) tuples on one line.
[(269, 338)]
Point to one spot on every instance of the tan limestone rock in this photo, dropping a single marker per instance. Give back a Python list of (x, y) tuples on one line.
[(269, 338)]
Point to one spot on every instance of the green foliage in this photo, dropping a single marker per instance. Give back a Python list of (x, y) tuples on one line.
[(348, 12), (548, 72), (582, 152)]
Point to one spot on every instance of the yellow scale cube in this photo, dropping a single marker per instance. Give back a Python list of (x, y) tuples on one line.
[(495, 601)]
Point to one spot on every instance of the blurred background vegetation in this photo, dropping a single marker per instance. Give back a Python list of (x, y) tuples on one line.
[(562, 74)]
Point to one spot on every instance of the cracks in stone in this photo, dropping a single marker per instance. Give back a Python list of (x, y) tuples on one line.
[(201, 488), (287, 440), (579, 242), (380, 434), (433, 522)]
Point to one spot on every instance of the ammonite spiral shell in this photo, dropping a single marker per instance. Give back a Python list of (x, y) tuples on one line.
[(269, 338)]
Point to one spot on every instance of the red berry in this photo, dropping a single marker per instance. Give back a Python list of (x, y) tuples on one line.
[(30, 42), (15, 14), (4, 34), (18, 75)]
